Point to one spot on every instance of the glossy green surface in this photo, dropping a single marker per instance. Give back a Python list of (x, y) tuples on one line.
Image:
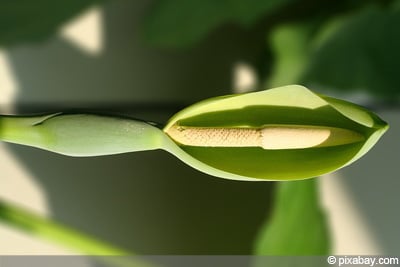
[(288, 105), (275, 164)]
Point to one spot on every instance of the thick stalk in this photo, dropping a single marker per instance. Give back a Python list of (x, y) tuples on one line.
[(81, 134)]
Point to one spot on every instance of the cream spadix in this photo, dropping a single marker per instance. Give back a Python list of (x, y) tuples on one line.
[(268, 137)]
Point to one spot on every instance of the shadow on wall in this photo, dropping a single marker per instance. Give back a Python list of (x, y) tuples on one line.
[(149, 202)]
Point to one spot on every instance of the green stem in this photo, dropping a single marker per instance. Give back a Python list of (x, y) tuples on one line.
[(81, 134), (47, 229), (21, 130)]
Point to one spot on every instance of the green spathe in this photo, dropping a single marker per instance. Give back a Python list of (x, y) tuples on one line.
[(286, 133), (289, 106)]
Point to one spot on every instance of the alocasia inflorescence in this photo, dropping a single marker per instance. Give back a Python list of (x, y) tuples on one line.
[(285, 133)]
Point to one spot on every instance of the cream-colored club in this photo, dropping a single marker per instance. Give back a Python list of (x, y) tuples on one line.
[(268, 137)]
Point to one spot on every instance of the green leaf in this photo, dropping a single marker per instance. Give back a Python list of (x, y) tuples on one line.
[(219, 136), (297, 225), (24, 21), (178, 23), (360, 52)]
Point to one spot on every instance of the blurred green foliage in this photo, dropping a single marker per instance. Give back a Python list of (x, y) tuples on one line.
[(24, 21), (178, 23), (297, 226), (361, 53), (343, 45), (290, 46)]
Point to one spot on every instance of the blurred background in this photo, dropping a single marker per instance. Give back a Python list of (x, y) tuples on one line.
[(149, 59)]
